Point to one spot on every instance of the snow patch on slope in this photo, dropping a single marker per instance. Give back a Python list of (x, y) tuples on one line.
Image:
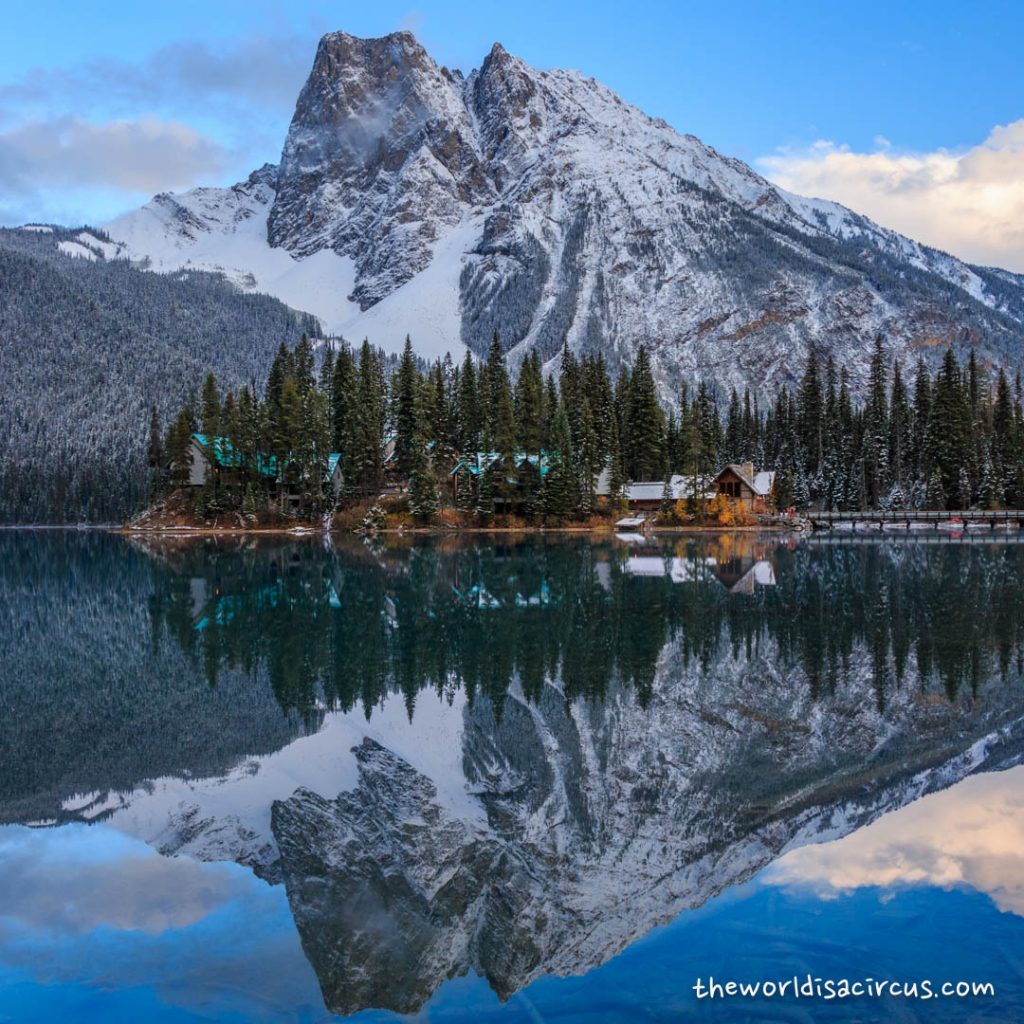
[(77, 251), (224, 231), (427, 307)]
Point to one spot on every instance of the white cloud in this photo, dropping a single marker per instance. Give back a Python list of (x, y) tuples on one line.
[(85, 142), (971, 835), (142, 155), (969, 203), (256, 71)]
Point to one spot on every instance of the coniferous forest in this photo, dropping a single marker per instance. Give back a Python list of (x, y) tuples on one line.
[(86, 348), (534, 446)]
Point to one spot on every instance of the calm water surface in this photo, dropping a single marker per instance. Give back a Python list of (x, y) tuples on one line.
[(543, 780)]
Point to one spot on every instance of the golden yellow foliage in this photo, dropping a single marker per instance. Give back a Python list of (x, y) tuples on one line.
[(727, 512)]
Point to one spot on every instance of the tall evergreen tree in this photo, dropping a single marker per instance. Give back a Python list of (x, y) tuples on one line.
[(811, 415), (406, 430), (368, 460), (468, 408), (561, 497), (529, 405), (499, 413), (303, 365), (210, 414), (876, 429), (344, 400), (645, 442), (949, 439), (900, 457)]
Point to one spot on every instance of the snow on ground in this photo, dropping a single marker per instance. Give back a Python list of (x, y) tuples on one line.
[(108, 250), (42, 229), (235, 244), (426, 308), (317, 285), (76, 250)]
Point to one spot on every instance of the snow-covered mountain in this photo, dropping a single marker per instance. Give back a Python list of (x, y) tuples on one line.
[(410, 198)]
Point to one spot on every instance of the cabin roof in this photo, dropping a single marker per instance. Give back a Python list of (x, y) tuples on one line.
[(222, 452), (478, 463), (760, 483), (654, 490)]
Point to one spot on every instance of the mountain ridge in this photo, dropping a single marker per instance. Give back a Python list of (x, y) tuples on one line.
[(410, 198)]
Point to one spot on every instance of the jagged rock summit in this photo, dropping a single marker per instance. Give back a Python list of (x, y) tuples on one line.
[(412, 199)]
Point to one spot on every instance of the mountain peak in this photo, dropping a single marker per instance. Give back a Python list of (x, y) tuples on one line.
[(543, 206)]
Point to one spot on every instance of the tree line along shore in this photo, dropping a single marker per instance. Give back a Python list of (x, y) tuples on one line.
[(336, 439)]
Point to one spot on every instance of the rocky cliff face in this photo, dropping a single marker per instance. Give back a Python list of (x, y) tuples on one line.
[(539, 204), (380, 159)]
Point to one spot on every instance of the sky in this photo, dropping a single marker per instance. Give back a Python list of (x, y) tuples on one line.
[(912, 113)]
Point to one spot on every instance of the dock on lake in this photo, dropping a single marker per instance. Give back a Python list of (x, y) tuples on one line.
[(910, 518)]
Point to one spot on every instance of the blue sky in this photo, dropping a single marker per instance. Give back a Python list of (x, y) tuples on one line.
[(874, 104)]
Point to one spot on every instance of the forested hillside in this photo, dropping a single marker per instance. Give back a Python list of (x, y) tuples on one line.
[(86, 347)]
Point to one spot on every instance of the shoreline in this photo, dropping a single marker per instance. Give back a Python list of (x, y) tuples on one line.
[(424, 531)]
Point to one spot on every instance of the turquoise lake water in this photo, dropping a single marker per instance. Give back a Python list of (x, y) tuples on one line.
[(274, 779)]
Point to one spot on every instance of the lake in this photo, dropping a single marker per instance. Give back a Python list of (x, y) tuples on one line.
[(538, 779)]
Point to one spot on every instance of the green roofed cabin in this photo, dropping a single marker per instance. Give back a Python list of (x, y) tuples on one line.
[(469, 467), (218, 456)]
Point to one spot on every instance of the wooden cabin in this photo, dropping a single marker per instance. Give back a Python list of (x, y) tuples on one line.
[(753, 490)]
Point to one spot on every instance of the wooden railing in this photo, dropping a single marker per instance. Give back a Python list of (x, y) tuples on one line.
[(907, 516)]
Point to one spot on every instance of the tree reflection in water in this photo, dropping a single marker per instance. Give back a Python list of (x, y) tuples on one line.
[(343, 628)]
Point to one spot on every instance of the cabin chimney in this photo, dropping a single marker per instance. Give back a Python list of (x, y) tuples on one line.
[(748, 469)]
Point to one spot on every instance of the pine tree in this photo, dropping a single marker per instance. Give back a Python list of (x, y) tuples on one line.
[(560, 493), (179, 448), (801, 491), (468, 408), (811, 414), (406, 386), (920, 415), (936, 497), (211, 410), (645, 441), (1005, 441), (900, 458), (598, 389), (709, 429), (876, 429), (485, 492), (281, 367), (303, 364), (424, 501), (617, 475), (587, 459), (368, 447), (326, 379), (250, 442), (948, 440), (312, 449), (499, 413), (286, 426), (529, 405)]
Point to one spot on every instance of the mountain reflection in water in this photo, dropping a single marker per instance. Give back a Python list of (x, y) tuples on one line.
[(508, 758)]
